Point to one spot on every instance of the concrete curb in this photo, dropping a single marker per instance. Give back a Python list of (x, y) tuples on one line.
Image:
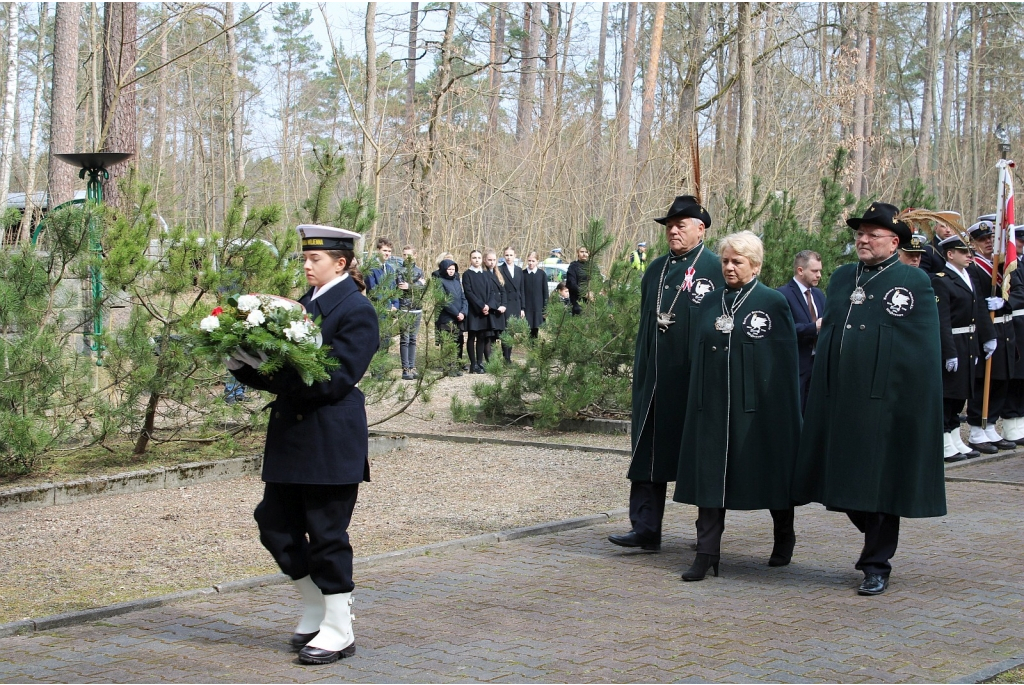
[(160, 478), (991, 671), (473, 440), (984, 459), (72, 618)]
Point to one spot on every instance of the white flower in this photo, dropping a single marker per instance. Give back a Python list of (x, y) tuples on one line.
[(209, 324), (297, 331), (273, 303), (248, 303), (254, 319)]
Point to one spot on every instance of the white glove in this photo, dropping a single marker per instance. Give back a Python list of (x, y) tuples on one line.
[(233, 364), (995, 303), (990, 348), (952, 364), (246, 358)]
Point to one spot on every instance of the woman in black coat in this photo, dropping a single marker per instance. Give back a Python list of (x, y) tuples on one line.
[(454, 312), (577, 277), (499, 306), (482, 295), (316, 453), (535, 293)]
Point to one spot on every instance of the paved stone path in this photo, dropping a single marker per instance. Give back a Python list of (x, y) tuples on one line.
[(1005, 470), (570, 607)]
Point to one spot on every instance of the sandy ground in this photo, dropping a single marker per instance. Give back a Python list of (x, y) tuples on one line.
[(113, 549)]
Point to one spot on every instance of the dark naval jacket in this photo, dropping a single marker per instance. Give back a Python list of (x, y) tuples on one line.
[(1004, 361), (1017, 307), (872, 435), (317, 434), (963, 321), (661, 364), (742, 427)]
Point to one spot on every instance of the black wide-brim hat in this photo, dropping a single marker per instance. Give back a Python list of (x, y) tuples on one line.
[(686, 205), (883, 215)]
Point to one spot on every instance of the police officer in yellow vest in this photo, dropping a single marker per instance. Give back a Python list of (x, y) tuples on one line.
[(638, 257)]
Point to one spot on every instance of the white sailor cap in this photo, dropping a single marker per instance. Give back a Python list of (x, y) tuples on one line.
[(952, 242), (315, 237), (987, 217)]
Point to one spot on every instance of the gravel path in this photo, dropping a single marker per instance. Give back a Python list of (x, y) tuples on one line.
[(114, 549)]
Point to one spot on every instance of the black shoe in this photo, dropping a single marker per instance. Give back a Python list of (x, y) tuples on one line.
[(407, 375), (631, 539), (1006, 445), (300, 640), (874, 584), (313, 655), (699, 569), (782, 552), (983, 447), (955, 458)]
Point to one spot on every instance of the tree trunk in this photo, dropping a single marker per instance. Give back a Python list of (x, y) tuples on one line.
[(120, 27), (550, 66), (691, 81), (237, 152), (528, 69), (859, 99), (599, 86), (410, 67), (28, 218), (744, 138), (650, 86), (869, 110), (10, 95), (63, 100), (160, 135), (367, 165), (95, 63), (498, 50), (948, 67), (924, 141), (626, 74)]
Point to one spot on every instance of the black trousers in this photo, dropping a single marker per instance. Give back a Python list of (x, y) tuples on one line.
[(647, 508), (289, 513), (711, 525), (951, 414), (996, 400), (881, 536), (1014, 405)]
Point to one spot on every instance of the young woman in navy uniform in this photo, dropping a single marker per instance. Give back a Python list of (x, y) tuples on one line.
[(316, 449)]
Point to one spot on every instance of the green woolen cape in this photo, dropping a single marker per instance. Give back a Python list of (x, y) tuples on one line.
[(872, 436), (742, 428), (661, 365)]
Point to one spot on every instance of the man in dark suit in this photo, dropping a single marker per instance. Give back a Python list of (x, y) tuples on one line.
[(513, 276), (807, 303)]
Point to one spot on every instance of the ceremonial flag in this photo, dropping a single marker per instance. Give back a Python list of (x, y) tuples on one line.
[(1003, 244)]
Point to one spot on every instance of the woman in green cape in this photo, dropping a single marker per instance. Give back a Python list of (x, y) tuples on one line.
[(742, 427)]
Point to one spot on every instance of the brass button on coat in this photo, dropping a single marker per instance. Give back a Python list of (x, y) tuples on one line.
[(298, 417), (862, 327)]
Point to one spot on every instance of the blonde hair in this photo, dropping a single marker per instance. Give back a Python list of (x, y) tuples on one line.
[(745, 244), (496, 271), (443, 256)]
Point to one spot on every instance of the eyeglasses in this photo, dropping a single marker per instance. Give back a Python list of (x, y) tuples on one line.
[(861, 235)]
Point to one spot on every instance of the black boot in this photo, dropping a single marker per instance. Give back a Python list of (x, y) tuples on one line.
[(782, 552), (700, 567)]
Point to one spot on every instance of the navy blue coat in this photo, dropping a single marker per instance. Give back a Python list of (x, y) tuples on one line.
[(806, 329), (456, 304), (317, 434)]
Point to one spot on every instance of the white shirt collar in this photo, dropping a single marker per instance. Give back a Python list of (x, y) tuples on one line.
[(803, 288), (320, 290), (477, 269), (511, 267), (962, 273)]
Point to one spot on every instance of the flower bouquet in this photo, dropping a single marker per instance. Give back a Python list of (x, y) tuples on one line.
[(268, 333)]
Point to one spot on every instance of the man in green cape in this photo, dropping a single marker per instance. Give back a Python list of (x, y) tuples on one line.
[(872, 439), (671, 291)]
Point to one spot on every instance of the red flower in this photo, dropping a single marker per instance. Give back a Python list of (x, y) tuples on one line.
[(217, 311)]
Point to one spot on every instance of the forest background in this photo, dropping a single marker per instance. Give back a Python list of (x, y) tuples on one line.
[(449, 126)]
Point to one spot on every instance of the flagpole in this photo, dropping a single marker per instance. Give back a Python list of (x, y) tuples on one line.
[(997, 256)]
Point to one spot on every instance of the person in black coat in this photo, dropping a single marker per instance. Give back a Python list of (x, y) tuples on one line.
[(513, 276), (535, 294), (1002, 349), (577, 278), (482, 293), (1013, 415), (499, 307), (455, 309), (807, 303), (316, 452), (963, 320)]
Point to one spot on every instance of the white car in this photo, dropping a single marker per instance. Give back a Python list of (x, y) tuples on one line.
[(555, 274)]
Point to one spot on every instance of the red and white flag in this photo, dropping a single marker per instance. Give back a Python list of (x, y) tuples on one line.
[(1003, 244)]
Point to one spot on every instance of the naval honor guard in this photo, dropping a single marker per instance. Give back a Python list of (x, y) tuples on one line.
[(871, 444), (672, 289)]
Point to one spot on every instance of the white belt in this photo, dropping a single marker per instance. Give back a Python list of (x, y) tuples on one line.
[(1018, 312), (963, 329), (1003, 319)]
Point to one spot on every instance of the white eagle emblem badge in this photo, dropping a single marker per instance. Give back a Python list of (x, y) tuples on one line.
[(701, 287), (757, 324), (899, 301)]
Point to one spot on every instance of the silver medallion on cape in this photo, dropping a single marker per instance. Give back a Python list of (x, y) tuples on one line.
[(727, 321), (724, 324), (666, 319), (858, 296)]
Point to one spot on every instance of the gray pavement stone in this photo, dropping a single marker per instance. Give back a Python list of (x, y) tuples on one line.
[(570, 607)]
